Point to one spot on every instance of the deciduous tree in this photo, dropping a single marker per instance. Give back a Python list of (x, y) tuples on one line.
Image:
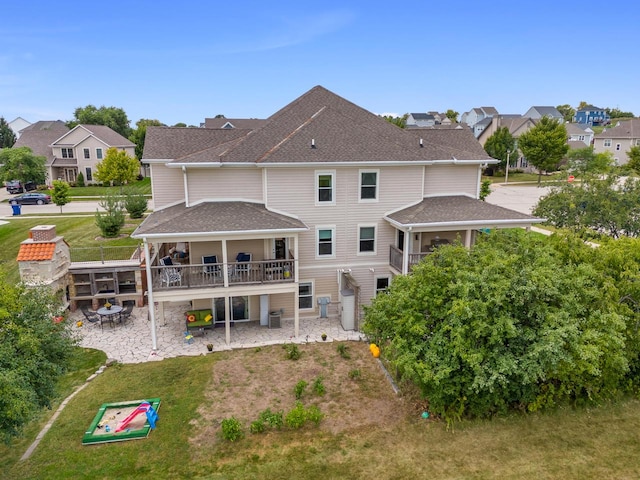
[(117, 167), (139, 134), (634, 158), (60, 193), (452, 115), (544, 145), (113, 117), (567, 112), (501, 145), (21, 164)]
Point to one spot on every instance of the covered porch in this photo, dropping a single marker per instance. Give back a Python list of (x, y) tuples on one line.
[(436, 221)]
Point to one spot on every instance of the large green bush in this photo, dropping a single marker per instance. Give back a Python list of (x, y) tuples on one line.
[(518, 322)]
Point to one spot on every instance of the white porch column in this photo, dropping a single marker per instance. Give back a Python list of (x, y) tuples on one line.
[(467, 238), (225, 265), (296, 257), (227, 321), (405, 251), (296, 315), (150, 302)]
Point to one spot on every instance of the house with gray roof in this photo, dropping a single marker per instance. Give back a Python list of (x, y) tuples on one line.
[(421, 120), (538, 112), (325, 202), (40, 135), (81, 149), (477, 114), (618, 140)]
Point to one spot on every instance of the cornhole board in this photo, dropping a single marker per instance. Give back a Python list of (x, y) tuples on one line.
[(110, 414)]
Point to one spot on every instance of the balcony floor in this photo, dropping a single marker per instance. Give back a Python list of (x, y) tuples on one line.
[(131, 343)]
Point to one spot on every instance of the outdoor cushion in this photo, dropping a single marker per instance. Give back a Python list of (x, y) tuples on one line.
[(200, 319)]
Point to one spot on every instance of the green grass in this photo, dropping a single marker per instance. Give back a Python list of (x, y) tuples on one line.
[(78, 231), (96, 191), (588, 443)]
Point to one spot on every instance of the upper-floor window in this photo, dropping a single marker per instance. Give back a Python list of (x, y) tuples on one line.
[(607, 142), (368, 184), (581, 137), (67, 153), (325, 188), (382, 284), (367, 239), (617, 146), (325, 237), (87, 153), (99, 153)]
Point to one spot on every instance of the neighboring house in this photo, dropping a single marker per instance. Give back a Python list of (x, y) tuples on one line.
[(517, 125), (538, 112), (577, 132), (591, 115), (241, 123), (39, 136), (475, 115), (324, 203), (81, 149), (421, 120), (618, 140), (17, 125)]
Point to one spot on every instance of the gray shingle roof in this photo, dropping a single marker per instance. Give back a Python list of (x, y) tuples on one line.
[(458, 209), (241, 123), (40, 135), (625, 129), (209, 218), (340, 130), (101, 132)]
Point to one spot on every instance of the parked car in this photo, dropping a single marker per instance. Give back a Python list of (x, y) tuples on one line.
[(14, 186), (31, 199)]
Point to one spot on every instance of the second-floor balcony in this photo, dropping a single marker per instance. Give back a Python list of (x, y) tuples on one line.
[(396, 257), (210, 275)]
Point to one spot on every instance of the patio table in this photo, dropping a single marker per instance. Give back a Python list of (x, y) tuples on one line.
[(109, 313)]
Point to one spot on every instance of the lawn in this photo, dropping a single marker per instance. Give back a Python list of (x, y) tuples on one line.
[(78, 231), (367, 432)]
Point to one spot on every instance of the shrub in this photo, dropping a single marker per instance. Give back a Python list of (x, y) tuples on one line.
[(232, 429), (296, 417), (112, 219), (257, 426), (274, 419), (318, 386), (299, 389), (80, 179), (314, 414), (135, 203), (293, 352)]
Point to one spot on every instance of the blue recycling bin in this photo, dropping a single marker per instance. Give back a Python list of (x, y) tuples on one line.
[(16, 208)]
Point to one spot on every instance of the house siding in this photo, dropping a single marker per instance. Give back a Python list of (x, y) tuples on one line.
[(451, 180), (167, 185), (224, 184)]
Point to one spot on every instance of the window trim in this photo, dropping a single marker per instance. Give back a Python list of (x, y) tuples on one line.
[(67, 152), (86, 153), (312, 295), (99, 153), (88, 174), (618, 146), (318, 174), (377, 291), (375, 238), (607, 142), (376, 186), (332, 229)]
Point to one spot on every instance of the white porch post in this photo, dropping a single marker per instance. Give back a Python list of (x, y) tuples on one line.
[(225, 265), (227, 320), (152, 313), (467, 238), (405, 251), (296, 315)]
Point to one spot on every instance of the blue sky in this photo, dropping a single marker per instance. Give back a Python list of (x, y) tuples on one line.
[(184, 61)]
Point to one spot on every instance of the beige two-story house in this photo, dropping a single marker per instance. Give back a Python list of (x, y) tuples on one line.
[(324, 202), (81, 149), (618, 140)]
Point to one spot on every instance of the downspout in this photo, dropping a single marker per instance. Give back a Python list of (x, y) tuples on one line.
[(151, 303), (186, 189)]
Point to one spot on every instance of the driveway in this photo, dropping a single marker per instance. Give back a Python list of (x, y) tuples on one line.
[(519, 197)]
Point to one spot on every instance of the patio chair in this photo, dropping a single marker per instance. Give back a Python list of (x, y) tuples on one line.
[(243, 263), (92, 317), (210, 263), (126, 313), (169, 275)]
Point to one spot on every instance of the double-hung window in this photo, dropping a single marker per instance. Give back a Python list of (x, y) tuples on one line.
[(99, 153), (382, 284), (67, 153), (367, 239), (607, 142), (325, 188), (305, 296), (368, 185), (325, 240), (87, 153)]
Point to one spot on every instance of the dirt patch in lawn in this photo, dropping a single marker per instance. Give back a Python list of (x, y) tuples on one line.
[(247, 382)]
